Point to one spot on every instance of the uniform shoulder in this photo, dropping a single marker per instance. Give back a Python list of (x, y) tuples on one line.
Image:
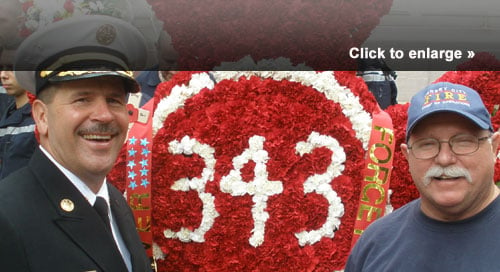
[(16, 184)]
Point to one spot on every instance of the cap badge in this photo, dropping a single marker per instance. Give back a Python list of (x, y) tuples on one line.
[(445, 96), (106, 34), (67, 205)]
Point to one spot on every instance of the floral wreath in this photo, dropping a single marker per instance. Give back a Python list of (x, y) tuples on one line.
[(318, 33), (40, 13), (257, 170)]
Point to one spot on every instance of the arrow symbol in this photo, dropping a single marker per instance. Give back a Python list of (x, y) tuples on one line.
[(470, 54)]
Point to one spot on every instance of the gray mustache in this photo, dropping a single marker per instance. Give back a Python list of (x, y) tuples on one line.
[(451, 171)]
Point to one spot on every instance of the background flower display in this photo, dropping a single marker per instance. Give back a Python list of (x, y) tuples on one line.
[(218, 134), (318, 33), (257, 170), (38, 14)]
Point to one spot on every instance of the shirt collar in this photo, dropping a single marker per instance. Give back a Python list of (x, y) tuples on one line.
[(79, 184)]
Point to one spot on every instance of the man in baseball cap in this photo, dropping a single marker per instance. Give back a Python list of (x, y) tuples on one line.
[(59, 213), (451, 151)]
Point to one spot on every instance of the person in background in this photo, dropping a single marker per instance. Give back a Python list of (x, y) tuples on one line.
[(59, 213), (17, 127), (5, 99), (10, 38), (451, 149), (5, 65), (380, 81), (149, 80)]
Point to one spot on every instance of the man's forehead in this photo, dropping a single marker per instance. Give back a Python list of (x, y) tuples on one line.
[(97, 85)]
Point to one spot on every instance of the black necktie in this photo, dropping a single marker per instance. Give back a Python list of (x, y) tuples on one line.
[(101, 207)]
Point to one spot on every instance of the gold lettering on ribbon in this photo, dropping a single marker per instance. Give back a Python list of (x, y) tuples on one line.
[(144, 227), (358, 231), (377, 171), (139, 198), (375, 181), (386, 132), (378, 160), (371, 210), (373, 186), (375, 177)]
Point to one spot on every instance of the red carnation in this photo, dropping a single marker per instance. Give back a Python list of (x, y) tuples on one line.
[(68, 5), (27, 5)]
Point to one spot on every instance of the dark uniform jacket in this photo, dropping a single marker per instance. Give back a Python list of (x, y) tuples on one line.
[(5, 100), (17, 138), (39, 233)]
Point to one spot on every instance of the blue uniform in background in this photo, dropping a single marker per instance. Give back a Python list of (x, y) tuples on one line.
[(380, 81), (5, 101), (148, 81), (17, 138)]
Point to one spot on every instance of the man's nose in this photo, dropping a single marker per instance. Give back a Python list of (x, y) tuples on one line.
[(445, 156), (101, 111)]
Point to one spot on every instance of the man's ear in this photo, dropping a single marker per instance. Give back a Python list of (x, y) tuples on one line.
[(495, 143), (405, 150), (40, 111)]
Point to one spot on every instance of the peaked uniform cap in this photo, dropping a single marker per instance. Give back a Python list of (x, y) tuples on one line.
[(78, 48)]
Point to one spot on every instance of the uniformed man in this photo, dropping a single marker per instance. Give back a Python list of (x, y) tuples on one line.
[(59, 213)]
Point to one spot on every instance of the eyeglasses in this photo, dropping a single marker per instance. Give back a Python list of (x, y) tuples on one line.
[(461, 144)]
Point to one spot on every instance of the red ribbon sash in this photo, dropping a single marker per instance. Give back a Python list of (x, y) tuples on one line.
[(139, 147), (376, 173)]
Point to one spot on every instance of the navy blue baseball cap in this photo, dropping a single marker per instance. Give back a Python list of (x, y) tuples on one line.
[(448, 97)]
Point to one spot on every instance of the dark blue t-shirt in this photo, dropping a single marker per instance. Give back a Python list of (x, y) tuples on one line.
[(407, 240)]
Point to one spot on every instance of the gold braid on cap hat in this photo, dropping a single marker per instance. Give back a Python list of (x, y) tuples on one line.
[(44, 74)]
